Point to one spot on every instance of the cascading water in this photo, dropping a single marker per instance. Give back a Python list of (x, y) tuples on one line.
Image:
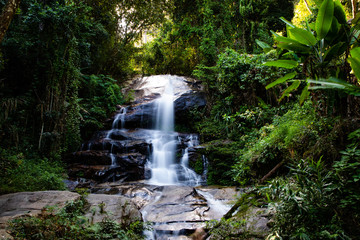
[(190, 177), (164, 140), (164, 170)]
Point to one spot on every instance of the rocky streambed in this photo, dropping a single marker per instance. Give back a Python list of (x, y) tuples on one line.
[(175, 211)]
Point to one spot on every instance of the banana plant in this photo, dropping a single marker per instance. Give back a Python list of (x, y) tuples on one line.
[(318, 49), (336, 83)]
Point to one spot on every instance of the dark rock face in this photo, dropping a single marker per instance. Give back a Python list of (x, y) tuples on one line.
[(102, 166), (140, 115), (188, 101)]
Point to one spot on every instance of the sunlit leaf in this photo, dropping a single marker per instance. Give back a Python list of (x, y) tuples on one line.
[(290, 89), (289, 64), (355, 61), (324, 18), (303, 36), (335, 84), (281, 80)]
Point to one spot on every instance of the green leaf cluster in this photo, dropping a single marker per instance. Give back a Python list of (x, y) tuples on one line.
[(29, 173), (318, 199), (319, 48)]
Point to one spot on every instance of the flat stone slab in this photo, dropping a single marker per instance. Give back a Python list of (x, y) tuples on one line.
[(118, 208)]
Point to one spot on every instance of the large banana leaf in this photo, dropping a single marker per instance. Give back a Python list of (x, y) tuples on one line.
[(303, 36), (299, 48), (324, 18), (335, 84), (281, 80), (289, 64), (355, 61), (291, 88), (339, 12)]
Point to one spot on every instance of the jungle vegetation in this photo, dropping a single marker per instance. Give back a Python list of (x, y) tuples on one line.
[(281, 78)]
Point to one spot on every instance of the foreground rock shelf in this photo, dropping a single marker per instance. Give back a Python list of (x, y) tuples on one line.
[(175, 211), (118, 208)]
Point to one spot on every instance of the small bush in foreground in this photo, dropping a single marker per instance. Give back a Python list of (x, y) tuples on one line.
[(70, 223)]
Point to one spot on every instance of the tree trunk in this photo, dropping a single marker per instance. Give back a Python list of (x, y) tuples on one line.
[(354, 7), (7, 15)]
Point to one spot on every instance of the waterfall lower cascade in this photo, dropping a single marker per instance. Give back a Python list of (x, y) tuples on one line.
[(164, 169)]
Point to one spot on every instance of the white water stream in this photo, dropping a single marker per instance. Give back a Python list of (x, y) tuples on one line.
[(164, 170)]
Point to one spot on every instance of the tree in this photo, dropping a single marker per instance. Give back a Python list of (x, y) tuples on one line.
[(7, 15)]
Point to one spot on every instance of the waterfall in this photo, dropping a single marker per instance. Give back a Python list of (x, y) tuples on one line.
[(120, 117), (164, 140), (165, 170)]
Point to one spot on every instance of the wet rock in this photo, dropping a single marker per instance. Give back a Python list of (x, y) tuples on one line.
[(92, 157), (125, 167), (189, 100), (140, 146), (140, 115), (181, 205)]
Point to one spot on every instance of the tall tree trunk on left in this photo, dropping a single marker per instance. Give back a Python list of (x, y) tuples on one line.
[(7, 15)]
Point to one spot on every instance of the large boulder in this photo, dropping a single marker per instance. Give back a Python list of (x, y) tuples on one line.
[(189, 100), (118, 208)]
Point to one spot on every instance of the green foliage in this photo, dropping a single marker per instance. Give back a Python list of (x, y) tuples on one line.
[(240, 79), (70, 223), (221, 156), (29, 173), (320, 48), (228, 229), (290, 136), (305, 207), (318, 200), (99, 96), (199, 30)]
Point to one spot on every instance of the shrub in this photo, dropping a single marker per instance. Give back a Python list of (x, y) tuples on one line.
[(22, 173), (99, 95), (288, 137), (317, 200), (70, 223)]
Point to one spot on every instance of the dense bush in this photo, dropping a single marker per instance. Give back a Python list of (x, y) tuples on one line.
[(291, 136), (29, 173), (99, 96)]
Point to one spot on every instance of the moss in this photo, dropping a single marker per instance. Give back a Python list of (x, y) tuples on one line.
[(221, 156)]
